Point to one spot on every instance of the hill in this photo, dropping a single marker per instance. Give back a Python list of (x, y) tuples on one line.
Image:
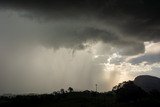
[(126, 94), (148, 83)]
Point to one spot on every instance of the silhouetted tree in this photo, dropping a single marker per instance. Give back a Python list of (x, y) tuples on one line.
[(155, 93), (62, 91), (128, 91), (70, 89)]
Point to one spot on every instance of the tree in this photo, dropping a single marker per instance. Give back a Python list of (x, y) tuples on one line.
[(128, 91), (62, 91), (70, 89)]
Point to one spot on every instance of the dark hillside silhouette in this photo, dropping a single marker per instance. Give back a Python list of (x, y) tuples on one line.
[(148, 83), (128, 91), (125, 94)]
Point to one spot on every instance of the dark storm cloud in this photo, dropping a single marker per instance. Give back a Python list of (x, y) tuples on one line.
[(123, 23), (31, 30)]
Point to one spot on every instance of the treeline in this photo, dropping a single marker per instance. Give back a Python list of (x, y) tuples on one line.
[(125, 94)]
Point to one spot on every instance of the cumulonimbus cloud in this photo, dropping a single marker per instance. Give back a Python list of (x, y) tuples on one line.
[(124, 23), (112, 30)]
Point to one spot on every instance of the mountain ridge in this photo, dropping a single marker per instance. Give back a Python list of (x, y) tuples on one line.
[(147, 82)]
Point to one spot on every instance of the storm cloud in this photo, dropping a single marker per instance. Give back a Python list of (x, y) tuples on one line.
[(46, 45), (123, 23)]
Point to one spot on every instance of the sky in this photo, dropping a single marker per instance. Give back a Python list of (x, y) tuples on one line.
[(46, 45)]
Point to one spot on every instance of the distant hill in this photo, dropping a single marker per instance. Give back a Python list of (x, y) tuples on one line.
[(125, 94), (148, 83)]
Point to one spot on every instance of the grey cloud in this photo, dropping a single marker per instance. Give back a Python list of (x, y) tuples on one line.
[(149, 58), (26, 25), (151, 55), (124, 22)]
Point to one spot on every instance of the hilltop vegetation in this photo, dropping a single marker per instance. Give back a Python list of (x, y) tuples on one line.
[(125, 94)]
